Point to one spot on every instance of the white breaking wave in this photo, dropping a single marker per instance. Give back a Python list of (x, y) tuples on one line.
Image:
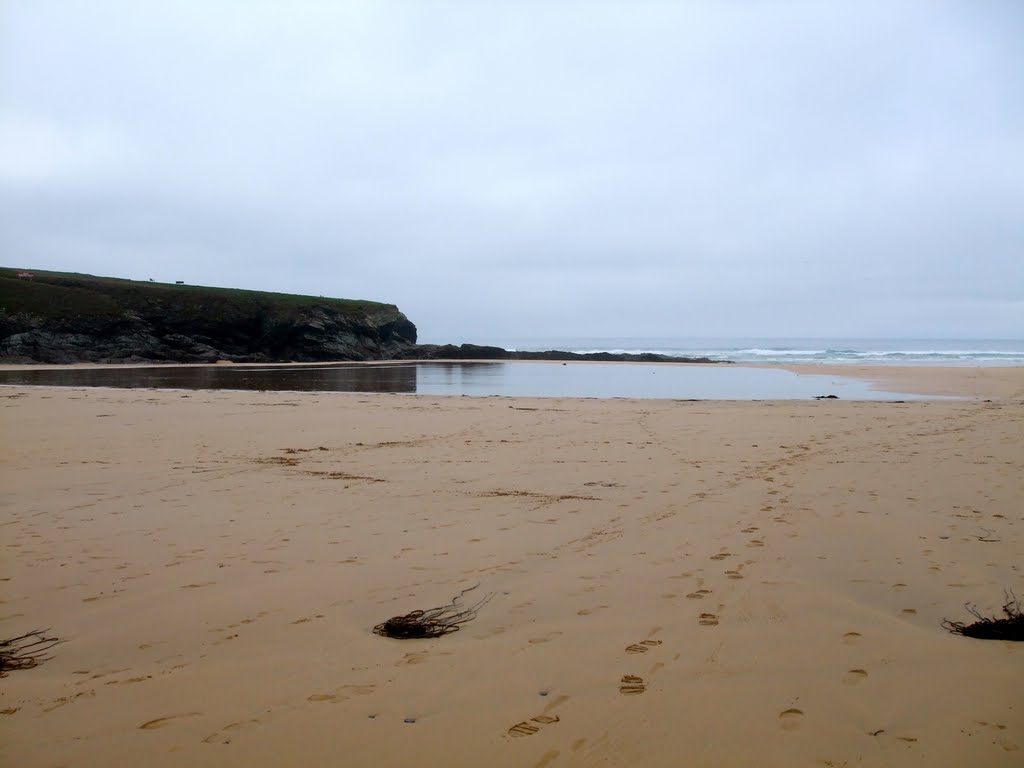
[(781, 352), (878, 351)]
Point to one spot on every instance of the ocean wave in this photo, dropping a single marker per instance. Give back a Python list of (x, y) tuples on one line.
[(800, 351), (781, 352)]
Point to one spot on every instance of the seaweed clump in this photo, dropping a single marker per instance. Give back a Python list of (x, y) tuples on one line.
[(25, 651), (1009, 628), (432, 622)]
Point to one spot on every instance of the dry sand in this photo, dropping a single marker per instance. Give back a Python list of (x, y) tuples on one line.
[(772, 576)]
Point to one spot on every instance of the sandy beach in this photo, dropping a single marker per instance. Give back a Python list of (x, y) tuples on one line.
[(673, 583), (961, 381)]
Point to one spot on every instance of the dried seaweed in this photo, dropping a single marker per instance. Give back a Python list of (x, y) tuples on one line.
[(25, 651), (1009, 628), (433, 622)]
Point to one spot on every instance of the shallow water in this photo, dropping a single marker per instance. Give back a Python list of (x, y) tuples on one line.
[(481, 379)]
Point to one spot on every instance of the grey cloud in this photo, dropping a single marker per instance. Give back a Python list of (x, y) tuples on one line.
[(706, 167)]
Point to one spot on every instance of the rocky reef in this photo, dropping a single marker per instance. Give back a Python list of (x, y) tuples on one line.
[(478, 352), (50, 317)]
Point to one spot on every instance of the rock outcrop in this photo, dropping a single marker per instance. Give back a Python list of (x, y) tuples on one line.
[(59, 318), (478, 352)]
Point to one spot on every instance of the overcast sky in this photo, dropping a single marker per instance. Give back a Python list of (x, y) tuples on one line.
[(501, 169)]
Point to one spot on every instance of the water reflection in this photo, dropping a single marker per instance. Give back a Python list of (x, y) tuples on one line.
[(513, 379), (301, 378)]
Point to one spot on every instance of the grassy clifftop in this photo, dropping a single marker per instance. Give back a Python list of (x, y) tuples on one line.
[(65, 295)]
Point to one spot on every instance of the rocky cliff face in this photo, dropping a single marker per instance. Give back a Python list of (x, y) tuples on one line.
[(320, 334), (82, 319)]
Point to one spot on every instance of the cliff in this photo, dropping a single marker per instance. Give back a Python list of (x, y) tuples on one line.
[(53, 317)]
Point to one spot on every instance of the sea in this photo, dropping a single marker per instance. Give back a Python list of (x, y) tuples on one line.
[(867, 351)]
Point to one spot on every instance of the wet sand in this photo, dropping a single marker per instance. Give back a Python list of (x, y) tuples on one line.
[(993, 382), (675, 583)]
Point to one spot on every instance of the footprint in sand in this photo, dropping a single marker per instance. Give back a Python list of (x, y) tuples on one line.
[(223, 736), (643, 646), (322, 697), (531, 726), (734, 574), (699, 594), (543, 638), (790, 719), (852, 637), (721, 556), (708, 620), (855, 676), (413, 657), (139, 679), (996, 730), (68, 699), (631, 684), (344, 693), (160, 722)]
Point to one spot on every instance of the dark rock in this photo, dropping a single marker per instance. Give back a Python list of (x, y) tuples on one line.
[(452, 352), (69, 319), (477, 352), (318, 335)]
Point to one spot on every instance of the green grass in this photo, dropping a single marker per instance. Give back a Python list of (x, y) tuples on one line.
[(65, 295)]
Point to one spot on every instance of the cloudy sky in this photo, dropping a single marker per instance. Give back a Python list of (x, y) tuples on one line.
[(560, 167)]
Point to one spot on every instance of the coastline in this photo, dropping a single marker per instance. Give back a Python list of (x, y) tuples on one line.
[(917, 381), (774, 573)]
